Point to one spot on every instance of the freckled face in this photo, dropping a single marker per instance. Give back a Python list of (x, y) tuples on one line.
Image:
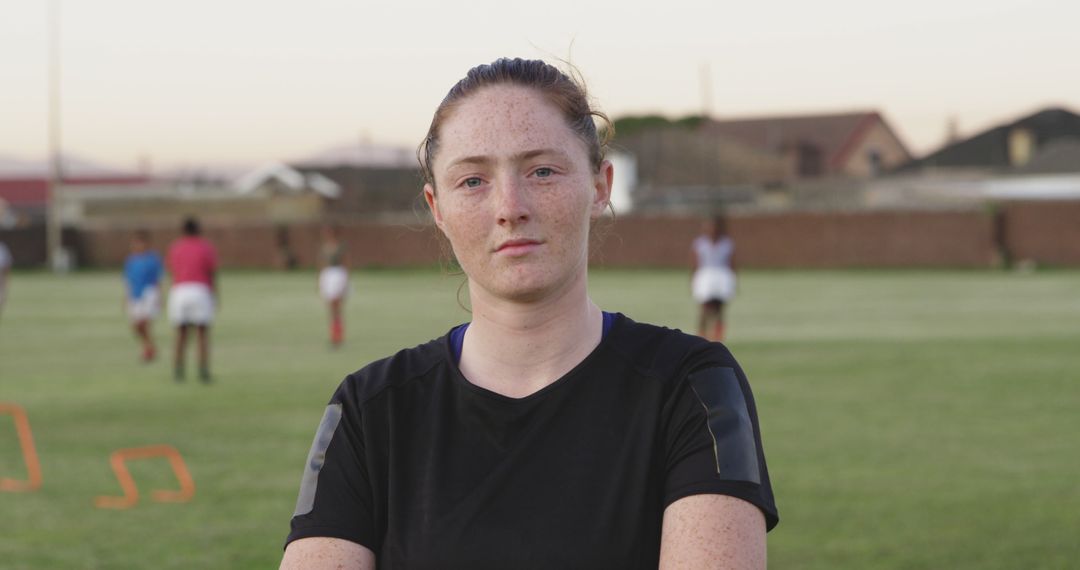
[(514, 193)]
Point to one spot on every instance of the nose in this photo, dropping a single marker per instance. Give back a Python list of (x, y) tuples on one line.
[(513, 202)]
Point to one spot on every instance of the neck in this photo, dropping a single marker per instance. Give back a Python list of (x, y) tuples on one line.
[(515, 349)]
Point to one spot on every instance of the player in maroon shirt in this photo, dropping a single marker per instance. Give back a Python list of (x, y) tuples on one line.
[(194, 295)]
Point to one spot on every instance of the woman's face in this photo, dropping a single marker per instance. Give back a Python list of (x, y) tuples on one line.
[(515, 193)]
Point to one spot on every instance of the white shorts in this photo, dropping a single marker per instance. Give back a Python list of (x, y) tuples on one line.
[(333, 283), (713, 284), (191, 304), (146, 307)]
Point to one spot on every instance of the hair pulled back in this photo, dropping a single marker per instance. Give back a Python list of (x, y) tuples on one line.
[(566, 93)]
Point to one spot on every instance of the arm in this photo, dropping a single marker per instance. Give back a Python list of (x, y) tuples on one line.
[(712, 531), (720, 501), (330, 553), (332, 525)]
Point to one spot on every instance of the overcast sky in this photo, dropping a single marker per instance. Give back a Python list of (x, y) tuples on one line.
[(199, 82)]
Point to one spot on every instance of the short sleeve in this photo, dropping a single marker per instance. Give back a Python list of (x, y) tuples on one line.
[(712, 440), (336, 498)]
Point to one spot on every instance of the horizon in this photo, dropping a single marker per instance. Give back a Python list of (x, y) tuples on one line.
[(203, 86)]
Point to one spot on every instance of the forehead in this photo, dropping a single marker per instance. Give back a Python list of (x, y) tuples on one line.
[(504, 120)]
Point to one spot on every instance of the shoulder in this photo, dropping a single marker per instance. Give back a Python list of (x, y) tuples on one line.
[(667, 353), (392, 372)]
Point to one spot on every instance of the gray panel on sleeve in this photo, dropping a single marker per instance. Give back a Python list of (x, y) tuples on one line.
[(315, 459), (729, 424)]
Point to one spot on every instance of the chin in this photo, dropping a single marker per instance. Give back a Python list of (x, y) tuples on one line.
[(520, 293), (525, 282), (525, 286)]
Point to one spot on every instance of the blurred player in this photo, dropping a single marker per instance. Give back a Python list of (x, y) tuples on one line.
[(333, 281), (142, 277), (5, 268), (713, 281), (192, 263)]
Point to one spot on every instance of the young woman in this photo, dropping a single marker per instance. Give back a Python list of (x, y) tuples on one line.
[(713, 277), (545, 433), (333, 281), (194, 296)]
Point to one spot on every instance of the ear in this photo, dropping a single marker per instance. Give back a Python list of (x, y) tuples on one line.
[(433, 204), (602, 188)]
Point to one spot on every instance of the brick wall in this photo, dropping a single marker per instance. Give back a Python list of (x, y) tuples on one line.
[(1046, 232), (258, 246), (814, 240)]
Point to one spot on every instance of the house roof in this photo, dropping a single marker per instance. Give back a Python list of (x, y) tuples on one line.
[(22, 192), (836, 135), (990, 148), (25, 183), (1057, 156), (287, 178)]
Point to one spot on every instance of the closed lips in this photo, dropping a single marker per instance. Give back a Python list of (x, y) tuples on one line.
[(516, 243)]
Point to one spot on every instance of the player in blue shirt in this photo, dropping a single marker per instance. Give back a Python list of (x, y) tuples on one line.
[(142, 277)]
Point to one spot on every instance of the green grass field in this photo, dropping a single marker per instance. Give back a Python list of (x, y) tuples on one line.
[(910, 419)]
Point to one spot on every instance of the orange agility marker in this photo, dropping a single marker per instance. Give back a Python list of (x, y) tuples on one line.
[(26, 443), (127, 484)]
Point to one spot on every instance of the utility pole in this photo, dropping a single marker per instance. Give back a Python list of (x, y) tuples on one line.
[(53, 244)]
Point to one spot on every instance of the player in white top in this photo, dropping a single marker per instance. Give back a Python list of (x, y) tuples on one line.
[(713, 282)]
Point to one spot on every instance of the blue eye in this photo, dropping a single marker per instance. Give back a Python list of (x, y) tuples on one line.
[(543, 172), (473, 182)]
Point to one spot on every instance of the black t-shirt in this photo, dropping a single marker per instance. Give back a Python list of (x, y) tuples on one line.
[(428, 470)]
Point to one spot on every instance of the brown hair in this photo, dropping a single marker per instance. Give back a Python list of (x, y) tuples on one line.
[(566, 93)]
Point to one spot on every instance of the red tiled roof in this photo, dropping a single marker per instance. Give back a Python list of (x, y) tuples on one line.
[(835, 135), (24, 192), (35, 191)]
